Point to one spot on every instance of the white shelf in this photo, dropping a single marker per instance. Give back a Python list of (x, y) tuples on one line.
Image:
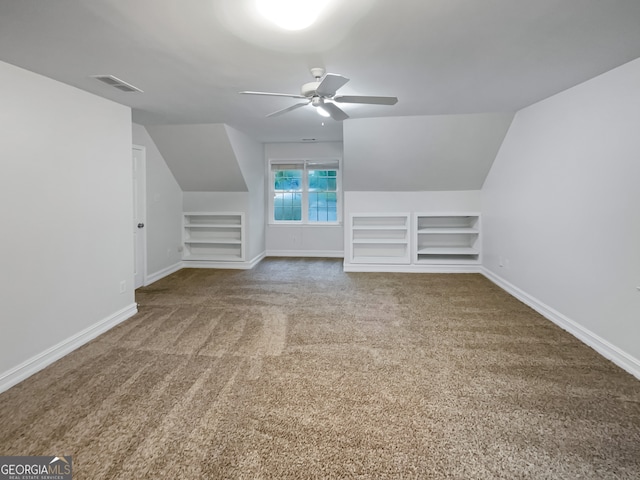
[(379, 241), (206, 225), (447, 239), (444, 231), (379, 227), (379, 238), (213, 236), (448, 251), (380, 221), (214, 242)]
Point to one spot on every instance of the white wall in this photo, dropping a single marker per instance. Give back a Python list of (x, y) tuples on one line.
[(305, 240), (421, 153), (199, 156), (426, 202), (66, 207), (215, 201), (164, 210), (561, 211), (250, 157), (216, 156)]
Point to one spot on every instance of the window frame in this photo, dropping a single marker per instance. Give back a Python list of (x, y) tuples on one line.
[(305, 165)]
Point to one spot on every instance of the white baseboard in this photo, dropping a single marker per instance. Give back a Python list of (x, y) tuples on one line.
[(306, 253), (410, 268), (212, 264), (21, 372), (257, 260), (232, 265), (154, 277), (603, 347)]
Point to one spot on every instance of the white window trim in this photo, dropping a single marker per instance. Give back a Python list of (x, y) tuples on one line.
[(305, 163)]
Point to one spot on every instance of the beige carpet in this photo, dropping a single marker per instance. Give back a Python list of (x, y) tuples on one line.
[(296, 370)]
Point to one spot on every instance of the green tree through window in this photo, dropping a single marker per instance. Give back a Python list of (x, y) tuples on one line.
[(323, 186), (287, 201)]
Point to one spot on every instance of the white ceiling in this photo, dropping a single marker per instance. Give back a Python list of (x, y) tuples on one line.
[(191, 57)]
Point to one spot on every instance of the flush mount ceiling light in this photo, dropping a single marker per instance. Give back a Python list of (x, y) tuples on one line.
[(334, 22), (291, 14)]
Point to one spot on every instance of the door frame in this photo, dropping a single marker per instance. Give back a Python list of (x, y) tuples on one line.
[(140, 247)]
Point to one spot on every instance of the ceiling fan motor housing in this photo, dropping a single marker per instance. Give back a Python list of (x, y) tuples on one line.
[(317, 72), (309, 89)]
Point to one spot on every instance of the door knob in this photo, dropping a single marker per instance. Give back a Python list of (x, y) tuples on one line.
[(140, 225)]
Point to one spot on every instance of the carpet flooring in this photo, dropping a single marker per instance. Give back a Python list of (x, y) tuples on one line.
[(297, 370)]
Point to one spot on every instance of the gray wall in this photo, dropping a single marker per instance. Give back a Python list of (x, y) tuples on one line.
[(561, 211), (66, 206), (199, 156), (421, 153), (250, 155), (164, 210)]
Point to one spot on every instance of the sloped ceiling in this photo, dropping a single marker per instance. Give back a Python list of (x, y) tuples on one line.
[(439, 57), (192, 57), (200, 157), (436, 152)]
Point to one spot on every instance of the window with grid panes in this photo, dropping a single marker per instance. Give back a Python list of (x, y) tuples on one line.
[(306, 192)]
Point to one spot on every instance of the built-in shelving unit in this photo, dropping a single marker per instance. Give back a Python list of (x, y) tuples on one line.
[(213, 236), (447, 239), (380, 238)]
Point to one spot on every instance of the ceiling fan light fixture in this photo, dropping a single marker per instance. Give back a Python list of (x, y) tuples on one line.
[(322, 112), (318, 103), (291, 14)]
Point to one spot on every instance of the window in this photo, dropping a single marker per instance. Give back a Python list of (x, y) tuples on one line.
[(287, 198), (305, 191)]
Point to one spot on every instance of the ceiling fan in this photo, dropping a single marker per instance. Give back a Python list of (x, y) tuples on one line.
[(321, 94)]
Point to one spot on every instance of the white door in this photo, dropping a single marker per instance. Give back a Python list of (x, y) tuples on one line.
[(139, 211)]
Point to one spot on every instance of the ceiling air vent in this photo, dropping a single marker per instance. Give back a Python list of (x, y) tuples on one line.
[(115, 82)]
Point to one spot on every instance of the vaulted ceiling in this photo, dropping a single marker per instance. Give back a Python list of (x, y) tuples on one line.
[(192, 57)]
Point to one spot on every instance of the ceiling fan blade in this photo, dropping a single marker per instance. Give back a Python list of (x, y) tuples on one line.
[(335, 112), (369, 100), (290, 95), (330, 83), (288, 109)]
